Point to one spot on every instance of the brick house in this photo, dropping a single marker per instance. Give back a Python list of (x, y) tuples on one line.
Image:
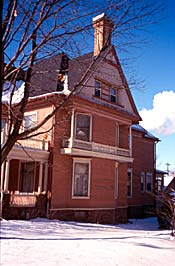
[(88, 166)]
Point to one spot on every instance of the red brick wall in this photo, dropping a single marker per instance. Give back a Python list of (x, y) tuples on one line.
[(143, 153), (104, 130), (102, 180)]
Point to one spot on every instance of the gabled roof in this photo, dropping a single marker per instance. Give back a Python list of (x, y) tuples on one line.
[(160, 172), (45, 73), (145, 133)]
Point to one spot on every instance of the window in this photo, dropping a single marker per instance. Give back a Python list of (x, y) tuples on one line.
[(30, 120), (129, 182), (116, 181), (142, 180), (3, 130), (113, 95), (83, 127), (149, 182), (159, 184), (3, 124), (27, 177), (81, 178), (97, 89)]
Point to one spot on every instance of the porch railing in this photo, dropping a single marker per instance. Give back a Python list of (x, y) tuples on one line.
[(95, 147), (33, 143)]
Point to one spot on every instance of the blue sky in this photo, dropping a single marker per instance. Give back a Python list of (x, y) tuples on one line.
[(156, 66)]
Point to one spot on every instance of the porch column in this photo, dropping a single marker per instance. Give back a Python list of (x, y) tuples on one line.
[(7, 170), (130, 140), (2, 175), (45, 176), (72, 128), (40, 177), (2, 182)]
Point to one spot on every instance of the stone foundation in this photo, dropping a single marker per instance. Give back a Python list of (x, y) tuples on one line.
[(10, 212), (141, 211), (102, 216)]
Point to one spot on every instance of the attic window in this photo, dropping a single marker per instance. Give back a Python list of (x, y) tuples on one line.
[(113, 95), (97, 89)]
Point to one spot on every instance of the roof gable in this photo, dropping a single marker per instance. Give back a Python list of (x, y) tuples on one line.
[(107, 70), (84, 70)]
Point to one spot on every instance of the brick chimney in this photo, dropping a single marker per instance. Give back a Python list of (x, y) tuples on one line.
[(102, 32)]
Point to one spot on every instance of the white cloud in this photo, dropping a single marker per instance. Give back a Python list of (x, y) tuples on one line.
[(18, 94), (161, 118)]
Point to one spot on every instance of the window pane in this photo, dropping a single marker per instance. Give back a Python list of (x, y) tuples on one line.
[(3, 123), (149, 182), (81, 178), (113, 95), (83, 127), (97, 89)]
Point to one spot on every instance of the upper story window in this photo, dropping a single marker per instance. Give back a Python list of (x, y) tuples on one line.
[(3, 130), (149, 182), (30, 120), (97, 89), (3, 124), (83, 127), (113, 95)]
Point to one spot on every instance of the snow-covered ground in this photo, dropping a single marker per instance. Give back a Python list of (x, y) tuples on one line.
[(51, 242)]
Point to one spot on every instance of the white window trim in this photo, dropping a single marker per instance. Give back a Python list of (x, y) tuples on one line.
[(148, 174), (81, 160), (90, 133), (116, 182), (142, 174), (131, 171)]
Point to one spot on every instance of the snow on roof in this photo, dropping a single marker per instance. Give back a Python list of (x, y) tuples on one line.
[(147, 134)]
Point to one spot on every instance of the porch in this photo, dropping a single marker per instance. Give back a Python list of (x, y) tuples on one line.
[(24, 180)]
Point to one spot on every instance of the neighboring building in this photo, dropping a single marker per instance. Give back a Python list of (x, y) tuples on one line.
[(160, 176), (93, 165), (141, 199)]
